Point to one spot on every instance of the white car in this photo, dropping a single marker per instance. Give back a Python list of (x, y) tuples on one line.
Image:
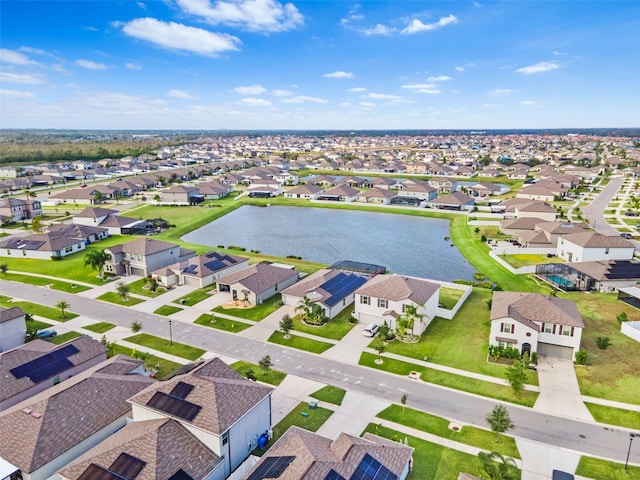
[(371, 330)]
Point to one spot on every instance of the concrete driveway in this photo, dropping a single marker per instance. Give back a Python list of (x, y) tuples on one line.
[(355, 413), (349, 349), (559, 390)]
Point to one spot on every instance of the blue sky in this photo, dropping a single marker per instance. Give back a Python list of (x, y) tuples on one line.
[(265, 64)]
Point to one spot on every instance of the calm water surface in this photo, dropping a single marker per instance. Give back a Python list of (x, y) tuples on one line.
[(404, 244)]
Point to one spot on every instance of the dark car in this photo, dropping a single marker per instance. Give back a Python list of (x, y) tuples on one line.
[(45, 334), (629, 213)]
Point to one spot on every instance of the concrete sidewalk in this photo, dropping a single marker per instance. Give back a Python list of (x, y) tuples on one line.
[(356, 412)]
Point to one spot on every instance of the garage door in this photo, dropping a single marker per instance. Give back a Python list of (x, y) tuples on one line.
[(555, 351), (191, 281)]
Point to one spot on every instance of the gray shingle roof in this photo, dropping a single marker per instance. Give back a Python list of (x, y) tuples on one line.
[(397, 287), (597, 240), (259, 277), (532, 309), (7, 314)]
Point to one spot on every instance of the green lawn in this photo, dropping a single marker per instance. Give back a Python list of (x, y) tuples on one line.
[(64, 337), (138, 288), (598, 469), (162, 365), (614, 416), (45, 282), (113, 297), (524, 260), (195, 297), (430, 460), (330, 394), (232, 326), (613, 373), (301, 343), (36, 309), (163, 345), (461, 342), (450, 380), (470, 435), (37, 325), (274, 377), (255, 313), (449, 297), (100, 327), (314, 419), (335, 329), (70, 267), (167, 310)]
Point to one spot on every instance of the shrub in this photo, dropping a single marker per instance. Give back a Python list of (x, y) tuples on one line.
[(483, 239), (622, 317), (534, 358), (240, 249), (581, 357), (56, 258), (603, 342)]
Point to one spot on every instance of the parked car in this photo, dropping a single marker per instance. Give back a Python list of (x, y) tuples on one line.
[(627, 235), (371, 330), (629, 213), (45, 334)]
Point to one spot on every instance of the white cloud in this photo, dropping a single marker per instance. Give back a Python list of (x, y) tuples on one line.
[(501, 92), (59, 68), (181, 94), (459, 69), (278, 92), (34, 51), (20, 78), (384, 96), (253, 15), (254, 102), (15, 58), (368, 104), (538, 68), (250, 90), (304, 99), (16, 93), (489, 105), (133, 66), (528, 103), (346, 104), (379, 29), (176, 36), (440, 78), (417, 26), (427, 88), (338, 74), (90, 65), (141, 5), (357, 89)]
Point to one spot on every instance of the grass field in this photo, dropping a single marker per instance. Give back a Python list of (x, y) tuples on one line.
[(38, 310), (232, 326), (137, 288), (458, 382), (100, 327), (614, 416), (164, 345), (330, 394), (113, 297), (468, 434), (196, 296), (255, 313), (274, 377), (301, 343), (335, 329), (167, 310), (45, 282), (64, 337), (598, 469), (526, 259), (449, 297)]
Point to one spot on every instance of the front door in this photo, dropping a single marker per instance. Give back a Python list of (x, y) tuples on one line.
[(526, 348), (234, 293)]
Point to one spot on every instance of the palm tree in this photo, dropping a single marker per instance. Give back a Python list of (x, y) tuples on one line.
[(96, 259), (305, 308), (62, 305), (29, 321), (498, 466), (411, 315)]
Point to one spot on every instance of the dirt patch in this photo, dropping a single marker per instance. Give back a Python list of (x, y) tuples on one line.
[(236, 304)]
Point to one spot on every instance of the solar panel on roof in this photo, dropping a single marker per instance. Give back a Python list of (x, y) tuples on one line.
[(127, 466), (181, 390), (95, 472), (180, 475), (190, 269), (271, 467), (46, 366), (174, 406), (371, 469), (333, 475), (215, 265), (340, 286)]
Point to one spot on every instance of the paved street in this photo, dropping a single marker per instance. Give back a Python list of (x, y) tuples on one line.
[(593, 439), (594, 212)]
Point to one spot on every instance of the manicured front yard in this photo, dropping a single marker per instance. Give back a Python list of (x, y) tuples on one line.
[(167, 310), (195, 297), (614, 416), (45, 282), (160, 364), (164, 345), (450, 380), (330, 394), (36, 309), (274, 377), (598, 469), (312, 421), (138, 288), (231, 326), (37, 325), (470, 435), (255, 313), (301, 343), (335, 329), (64, 337), (100, 327), (113, 297)]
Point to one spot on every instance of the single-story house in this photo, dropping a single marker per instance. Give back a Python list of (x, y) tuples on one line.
[(41, 245), (386, 298), (222, 409), (143, 256), (532, 322), (215, 190), (416, 189), (308, 191), (333, 290), (377, 195), (179, 195), (13, 330), (258, 282), (110, 220), (200, 271), (454, 201), (301, 455), (85, 232), (602, 276), (343, 193), (589, 246)]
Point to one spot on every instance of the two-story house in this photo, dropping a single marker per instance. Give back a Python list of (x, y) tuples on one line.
[(590, 246), (144, 255)]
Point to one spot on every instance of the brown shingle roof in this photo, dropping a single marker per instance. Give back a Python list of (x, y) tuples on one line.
[(259, 277), (397, 287), (532, 309), (7, 314), (597, 240), (146, 246)]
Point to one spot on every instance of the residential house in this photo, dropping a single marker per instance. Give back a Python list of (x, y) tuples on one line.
[(416, 189), (111, 220), (13, 330), (258, 282), (483, 189), (144, 255), (81, 196), (88, 234), (215, 190), (42, 246), (46, 432), (308, 191), (200, 271), (526, 208), (377, 195), (21, 379), (303, 455), (385, 298), (17, 209), (454, 201), (179, 195), (332, 290), (601, 276), (444, 184), (343, 193), (218, 406), (532, 322), (590, 246)]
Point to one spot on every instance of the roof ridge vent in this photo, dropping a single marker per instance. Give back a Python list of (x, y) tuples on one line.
[(36, 414)]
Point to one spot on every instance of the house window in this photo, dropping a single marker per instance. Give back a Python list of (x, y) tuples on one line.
[(8, 252), (225, 438), (68, 249), (24, 253), (364, 300), (382, 303), (548, 328), (606, 251), (567, 331), (507, 327), (506, 344)]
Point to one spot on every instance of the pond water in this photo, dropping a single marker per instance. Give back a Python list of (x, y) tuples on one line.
[(404, 244)]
